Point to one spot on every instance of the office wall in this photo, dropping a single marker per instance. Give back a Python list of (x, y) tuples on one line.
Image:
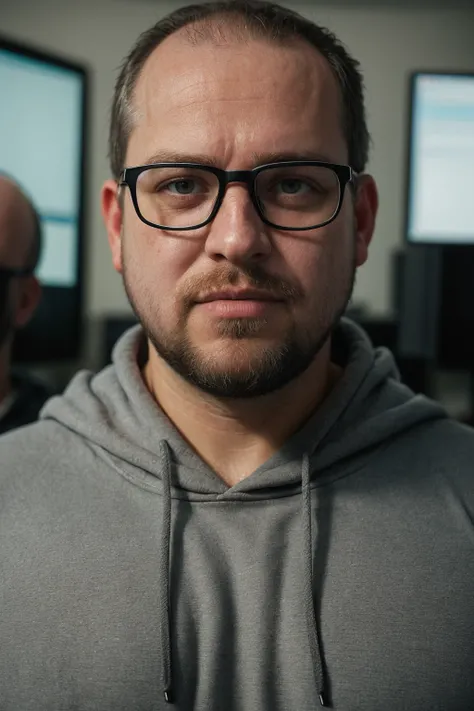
[(388, 41)]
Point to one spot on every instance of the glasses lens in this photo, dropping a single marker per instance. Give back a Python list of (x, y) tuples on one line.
[(298, 197), (176, 197)]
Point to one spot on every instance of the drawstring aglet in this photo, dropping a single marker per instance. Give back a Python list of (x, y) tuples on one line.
[(322, 700), (168, 696)]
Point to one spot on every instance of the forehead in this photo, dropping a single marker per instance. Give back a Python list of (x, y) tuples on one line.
[(236, 99)]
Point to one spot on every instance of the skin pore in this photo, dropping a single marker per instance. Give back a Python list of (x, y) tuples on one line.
[(208, 102), (17, 227)]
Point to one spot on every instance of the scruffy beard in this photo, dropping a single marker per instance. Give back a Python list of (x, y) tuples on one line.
[(262, 368)]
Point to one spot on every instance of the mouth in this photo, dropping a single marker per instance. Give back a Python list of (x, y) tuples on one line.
[(238, 295), (238, 304)]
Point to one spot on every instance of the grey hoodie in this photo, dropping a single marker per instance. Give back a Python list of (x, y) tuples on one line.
[(341, 571)]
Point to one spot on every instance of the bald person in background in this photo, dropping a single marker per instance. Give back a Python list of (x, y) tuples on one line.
[(21, 397)]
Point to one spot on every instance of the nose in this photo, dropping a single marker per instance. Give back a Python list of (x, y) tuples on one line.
[(237, 234)]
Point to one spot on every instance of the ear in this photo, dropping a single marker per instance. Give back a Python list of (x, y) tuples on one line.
[(29, 295), (112, 214), (365, 208)]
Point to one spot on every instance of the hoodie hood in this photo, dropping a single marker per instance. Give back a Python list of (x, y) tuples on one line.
[(369, 406)]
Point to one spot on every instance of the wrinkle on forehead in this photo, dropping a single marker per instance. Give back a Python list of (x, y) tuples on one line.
[(235, 86), (171, 61)]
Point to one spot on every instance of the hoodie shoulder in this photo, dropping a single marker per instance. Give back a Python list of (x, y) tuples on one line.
[(40, 438), (38, 455), (450, 445)]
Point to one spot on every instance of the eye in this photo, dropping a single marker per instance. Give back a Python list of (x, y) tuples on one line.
[(292, 186), (184, 186)]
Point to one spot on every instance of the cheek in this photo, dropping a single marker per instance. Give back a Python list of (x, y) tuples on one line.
[(304, 259), (320, 263), (155, 263)]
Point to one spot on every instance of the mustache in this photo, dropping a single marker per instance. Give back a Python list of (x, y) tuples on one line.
[(253, 277)]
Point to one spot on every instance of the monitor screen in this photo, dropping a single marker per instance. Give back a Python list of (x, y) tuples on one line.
[(441, 159), (42, 148)]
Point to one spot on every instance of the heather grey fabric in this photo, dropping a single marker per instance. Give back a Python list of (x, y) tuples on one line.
[(344, 566)]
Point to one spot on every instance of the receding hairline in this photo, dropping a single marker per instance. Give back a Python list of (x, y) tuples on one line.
[(233, 25), (220, 20), (218, 30)]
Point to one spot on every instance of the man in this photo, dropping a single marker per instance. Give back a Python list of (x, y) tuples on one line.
[(21, 397), (247, 510)]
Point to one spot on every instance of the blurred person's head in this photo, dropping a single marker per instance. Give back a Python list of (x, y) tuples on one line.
[(20, 244), (234, 86)]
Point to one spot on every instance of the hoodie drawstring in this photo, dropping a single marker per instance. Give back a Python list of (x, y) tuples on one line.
[(314, 641), (164, 580), (164, 577)]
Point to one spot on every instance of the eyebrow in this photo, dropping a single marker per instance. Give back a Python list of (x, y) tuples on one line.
[(263, 158), (175, 157), (257, 158)]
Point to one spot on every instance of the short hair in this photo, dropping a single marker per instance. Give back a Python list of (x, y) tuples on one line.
[(257, 19)]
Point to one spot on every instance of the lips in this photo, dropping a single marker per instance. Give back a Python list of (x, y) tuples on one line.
[(239, 295)]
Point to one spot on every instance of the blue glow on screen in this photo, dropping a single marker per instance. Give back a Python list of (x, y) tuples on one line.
[(441, 199), (40, 144)]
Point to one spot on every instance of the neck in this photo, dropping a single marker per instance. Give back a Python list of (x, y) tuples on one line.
[(233, 436)]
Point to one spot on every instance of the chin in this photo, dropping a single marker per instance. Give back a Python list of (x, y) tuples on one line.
[(238, 354)]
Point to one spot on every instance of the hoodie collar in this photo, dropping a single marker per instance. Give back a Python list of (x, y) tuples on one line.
[(115, 411)]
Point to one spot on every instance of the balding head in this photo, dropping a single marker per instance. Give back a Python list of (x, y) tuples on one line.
[(19, 228)]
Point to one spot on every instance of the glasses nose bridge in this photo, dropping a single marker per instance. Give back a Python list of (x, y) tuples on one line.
[(239, 176), (247, 177)]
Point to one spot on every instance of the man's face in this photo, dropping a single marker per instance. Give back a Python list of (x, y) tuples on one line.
[(237, 106)]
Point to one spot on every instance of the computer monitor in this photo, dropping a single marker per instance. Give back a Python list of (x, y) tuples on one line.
[(42, 147), (440, 185)]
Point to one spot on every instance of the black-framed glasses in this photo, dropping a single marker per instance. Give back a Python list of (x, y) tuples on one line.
[(290, 195)]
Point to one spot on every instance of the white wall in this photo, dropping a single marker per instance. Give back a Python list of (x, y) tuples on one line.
[(388, 42)]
